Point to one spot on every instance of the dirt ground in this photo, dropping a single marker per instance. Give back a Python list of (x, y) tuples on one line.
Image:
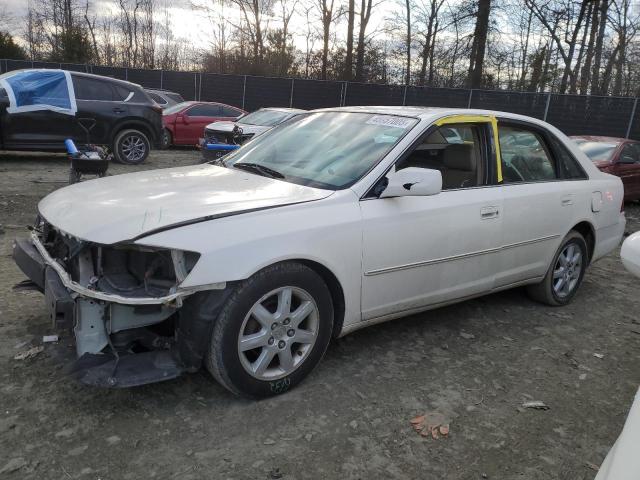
[(476, 363)]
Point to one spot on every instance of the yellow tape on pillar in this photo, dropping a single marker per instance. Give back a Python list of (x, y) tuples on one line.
[(478, 119)]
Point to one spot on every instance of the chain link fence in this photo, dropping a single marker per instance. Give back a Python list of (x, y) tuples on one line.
[(573, 114)]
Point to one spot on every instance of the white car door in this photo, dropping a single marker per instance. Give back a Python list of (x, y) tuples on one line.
[(421, 251), (540, 202)]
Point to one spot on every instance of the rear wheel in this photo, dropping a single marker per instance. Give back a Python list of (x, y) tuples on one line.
[(165, 141), (131, 147), (565, 273), (272, 331)]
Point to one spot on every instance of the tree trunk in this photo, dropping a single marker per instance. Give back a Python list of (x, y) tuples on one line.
[(572, 48), (595, 78), (407, 80), (574, 76), (479, 44), (365, 15), (348, 61), (588, 60), (523, 65)]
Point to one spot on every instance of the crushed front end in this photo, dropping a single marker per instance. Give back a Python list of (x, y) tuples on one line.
[(122, 302), (217, 143)]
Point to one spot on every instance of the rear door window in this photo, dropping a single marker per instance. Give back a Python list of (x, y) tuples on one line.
[(230, 112), (525, 156), (630, 153), (205, 111), (92, 89)]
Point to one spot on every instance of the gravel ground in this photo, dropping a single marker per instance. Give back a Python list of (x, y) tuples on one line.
[(475, 362)]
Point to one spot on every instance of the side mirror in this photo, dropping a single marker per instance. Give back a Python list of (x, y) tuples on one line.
[(413, 182), (183, 118), (626, 159)]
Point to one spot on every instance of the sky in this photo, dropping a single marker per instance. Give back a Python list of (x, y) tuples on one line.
[(187, 23)]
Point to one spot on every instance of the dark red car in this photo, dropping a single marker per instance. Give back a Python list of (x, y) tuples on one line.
[(617, 156), (184, 123)]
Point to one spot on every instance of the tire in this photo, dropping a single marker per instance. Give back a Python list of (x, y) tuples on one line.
[(548, 290), (131, 147), (244, 371), (166, 139), (74, 176)]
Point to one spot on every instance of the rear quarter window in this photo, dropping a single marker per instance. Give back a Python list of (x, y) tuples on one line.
[(568, 165)]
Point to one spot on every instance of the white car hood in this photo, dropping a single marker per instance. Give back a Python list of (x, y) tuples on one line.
[(246, 128), (124, 207)]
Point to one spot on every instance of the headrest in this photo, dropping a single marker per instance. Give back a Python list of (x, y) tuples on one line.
[(460, 156)]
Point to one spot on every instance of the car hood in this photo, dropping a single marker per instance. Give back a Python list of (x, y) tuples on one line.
[(227, 127), (125, 207)]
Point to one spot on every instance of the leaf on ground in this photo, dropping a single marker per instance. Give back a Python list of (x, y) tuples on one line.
[(431, 424)]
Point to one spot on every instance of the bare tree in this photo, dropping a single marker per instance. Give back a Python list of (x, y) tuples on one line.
[(476, 60)]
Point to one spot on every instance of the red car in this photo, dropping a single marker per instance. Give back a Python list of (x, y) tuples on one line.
[(617, 156), (184, 123)]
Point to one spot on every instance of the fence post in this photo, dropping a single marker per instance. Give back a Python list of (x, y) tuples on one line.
[(546, 107), (195, 86), (633, 114), (344, 94), (126, 74), (291, 96), (404, 96), (161, 78), (244, 90), (199, 86), (470, 97)]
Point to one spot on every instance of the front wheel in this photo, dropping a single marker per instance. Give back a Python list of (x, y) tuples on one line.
[(565, 273), (131, 147), (272, 331)]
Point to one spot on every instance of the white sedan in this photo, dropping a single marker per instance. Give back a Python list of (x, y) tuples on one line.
[(336, 220)]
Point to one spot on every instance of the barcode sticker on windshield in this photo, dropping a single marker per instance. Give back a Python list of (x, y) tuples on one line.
[(390, 121)]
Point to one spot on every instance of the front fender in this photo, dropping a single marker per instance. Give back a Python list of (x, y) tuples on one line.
[(327, 232)]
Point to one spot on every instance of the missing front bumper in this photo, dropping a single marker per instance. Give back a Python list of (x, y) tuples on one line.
[(95, 322)]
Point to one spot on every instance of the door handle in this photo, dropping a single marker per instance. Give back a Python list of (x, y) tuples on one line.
[(566, 200), (119, 110), (489, 212)]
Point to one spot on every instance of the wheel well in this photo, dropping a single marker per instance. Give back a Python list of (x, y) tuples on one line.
[(335, 289), (586, 230)]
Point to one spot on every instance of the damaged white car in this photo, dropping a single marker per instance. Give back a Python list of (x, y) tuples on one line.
[(332, 221)]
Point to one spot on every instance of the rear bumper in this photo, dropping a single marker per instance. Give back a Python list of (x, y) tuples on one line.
[(609, 238)]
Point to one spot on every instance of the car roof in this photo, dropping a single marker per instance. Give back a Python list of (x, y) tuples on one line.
[(428, 112), (102, 77), (82, 74), (602, 138)]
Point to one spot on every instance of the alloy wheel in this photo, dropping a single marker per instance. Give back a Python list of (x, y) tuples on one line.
[(567, 270), (133, 148), (278, 333)]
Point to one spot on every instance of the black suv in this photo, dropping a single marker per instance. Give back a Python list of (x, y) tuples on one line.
[(126, 120)]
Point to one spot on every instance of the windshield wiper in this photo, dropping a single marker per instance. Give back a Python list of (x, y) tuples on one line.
[(259, 169)]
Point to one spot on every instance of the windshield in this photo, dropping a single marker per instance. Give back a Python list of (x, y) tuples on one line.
[(176, 108), (330, 150), (266, 118), (597, 151)]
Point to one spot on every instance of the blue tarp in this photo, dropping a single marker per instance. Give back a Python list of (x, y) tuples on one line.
[(32, 90)]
